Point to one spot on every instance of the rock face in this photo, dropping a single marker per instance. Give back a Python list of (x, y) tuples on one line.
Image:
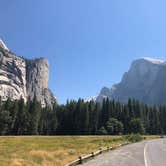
[(145, 81), (24, 78)]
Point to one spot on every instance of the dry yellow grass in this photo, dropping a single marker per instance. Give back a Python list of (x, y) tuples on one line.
[(50, 150)]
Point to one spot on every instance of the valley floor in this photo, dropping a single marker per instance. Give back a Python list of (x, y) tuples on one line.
[(50, 150)]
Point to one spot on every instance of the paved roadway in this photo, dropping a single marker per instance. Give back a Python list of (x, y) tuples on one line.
[(146, 153)]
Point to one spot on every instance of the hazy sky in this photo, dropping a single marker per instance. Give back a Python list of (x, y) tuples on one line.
[(89, 43)]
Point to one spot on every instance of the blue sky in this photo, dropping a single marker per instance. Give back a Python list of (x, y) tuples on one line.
[(89, 43)]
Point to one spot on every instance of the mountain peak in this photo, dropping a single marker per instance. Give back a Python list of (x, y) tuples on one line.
[(153, 60), (145, 81), (2, 45)]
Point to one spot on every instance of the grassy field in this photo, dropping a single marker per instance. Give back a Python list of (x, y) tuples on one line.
[(51, 151)]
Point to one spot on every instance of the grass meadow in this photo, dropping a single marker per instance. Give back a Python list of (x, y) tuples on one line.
[(51, 150)]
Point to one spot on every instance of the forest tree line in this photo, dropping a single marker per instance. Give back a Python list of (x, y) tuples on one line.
[(81, 118)]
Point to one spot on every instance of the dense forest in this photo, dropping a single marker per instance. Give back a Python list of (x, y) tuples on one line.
[(81, 118)]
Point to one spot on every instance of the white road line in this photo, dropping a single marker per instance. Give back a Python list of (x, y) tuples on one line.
[(145, 159)]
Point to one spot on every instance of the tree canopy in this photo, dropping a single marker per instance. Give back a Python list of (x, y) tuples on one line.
[(81, 118)]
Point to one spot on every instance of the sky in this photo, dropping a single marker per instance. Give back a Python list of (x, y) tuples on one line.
[(89, 43)]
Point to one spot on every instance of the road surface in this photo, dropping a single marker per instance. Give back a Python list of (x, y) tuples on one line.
[(146, 153)]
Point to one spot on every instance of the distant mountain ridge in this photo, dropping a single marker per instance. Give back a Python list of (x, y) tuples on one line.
[(145, 81), (24, 78)]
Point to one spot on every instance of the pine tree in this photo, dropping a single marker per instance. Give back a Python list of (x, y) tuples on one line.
[(5, 122), (34, 113), (21, 122)]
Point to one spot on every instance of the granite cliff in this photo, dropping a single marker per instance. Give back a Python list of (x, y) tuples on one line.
[(20, 77), (145, 81)]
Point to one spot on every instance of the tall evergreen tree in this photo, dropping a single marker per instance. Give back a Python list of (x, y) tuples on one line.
[(34, 113), (21, 122)]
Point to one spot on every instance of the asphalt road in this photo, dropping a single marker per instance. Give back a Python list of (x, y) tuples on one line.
[(146, 153)]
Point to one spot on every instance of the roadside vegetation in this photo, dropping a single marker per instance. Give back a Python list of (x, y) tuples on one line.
[(53, 150)]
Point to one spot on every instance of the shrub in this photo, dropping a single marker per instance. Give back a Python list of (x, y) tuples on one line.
[(136, 126), (114, 126), (102, 131), (133, 138)]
